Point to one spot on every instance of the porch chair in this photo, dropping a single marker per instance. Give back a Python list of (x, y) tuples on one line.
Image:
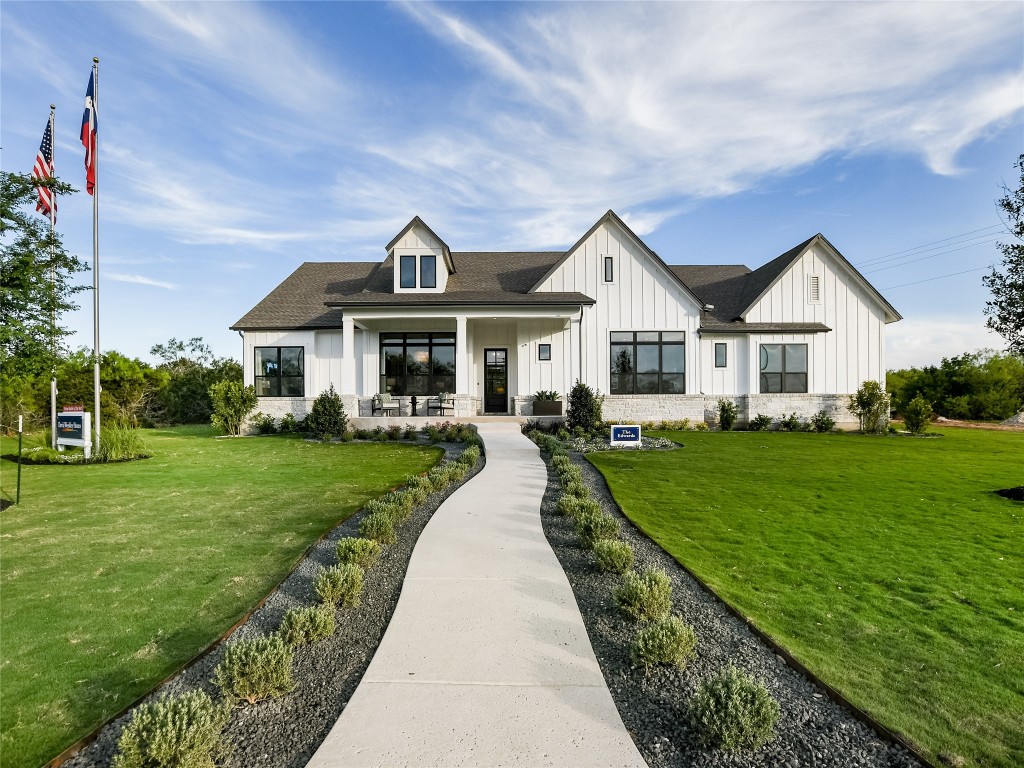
[(442, 403), (384, 404)]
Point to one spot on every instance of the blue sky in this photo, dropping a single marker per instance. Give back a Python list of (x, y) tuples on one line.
[(238, 140)]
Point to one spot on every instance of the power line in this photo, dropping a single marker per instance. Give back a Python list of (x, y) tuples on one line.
[(929, 256), (935, 243), (929, 279)]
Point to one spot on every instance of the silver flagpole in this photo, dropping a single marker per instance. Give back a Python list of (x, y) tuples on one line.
[(53, 288), (96, 255)]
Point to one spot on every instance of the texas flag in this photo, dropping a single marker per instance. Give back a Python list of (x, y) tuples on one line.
[(90, 126)]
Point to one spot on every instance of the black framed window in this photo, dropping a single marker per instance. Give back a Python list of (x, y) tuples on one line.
[(783, 368), (407, 276), (417, 363), (428, 271), (609, 269), (648, 363), (543, 351), (280, 372), (721, 355)]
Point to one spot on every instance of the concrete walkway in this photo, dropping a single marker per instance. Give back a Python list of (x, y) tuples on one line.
[(486, 661)]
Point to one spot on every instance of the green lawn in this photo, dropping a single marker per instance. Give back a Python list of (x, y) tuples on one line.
[(886, 565), (113, 576)]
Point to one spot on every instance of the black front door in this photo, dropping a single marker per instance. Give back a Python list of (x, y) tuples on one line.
[(495, 381)]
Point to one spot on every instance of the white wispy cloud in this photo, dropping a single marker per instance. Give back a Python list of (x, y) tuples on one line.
[(121, 277)]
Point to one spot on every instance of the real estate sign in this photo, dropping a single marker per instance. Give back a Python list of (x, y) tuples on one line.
[(74, 428), (626, 435)]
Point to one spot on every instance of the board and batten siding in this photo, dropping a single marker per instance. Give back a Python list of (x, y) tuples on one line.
[(535, 374), (642, 297), (734, 378), (848, 355), (417, 242), (304, 339)]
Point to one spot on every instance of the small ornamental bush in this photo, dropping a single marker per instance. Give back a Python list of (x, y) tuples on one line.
[(470, 456), (790, 423), (613, 556), (340, 584), (734, 711), (256, 669), (665, 641), (870, 404), (917, 414), (327, 416), (378, 526), (574, 506), (411, 432), (570, 472), (174, 731), (307, 625), (726, 414), (760, 423), (395, 432), (584, 409), (575, 488), (389, 509), (361, 552), (822, 422), (701, 426), (289, 423), (264, 424), (592, 527), (231, 404), (644, 596)]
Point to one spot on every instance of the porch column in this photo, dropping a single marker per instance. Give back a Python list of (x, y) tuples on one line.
[(348, 357), (461, 356), (575, 350)]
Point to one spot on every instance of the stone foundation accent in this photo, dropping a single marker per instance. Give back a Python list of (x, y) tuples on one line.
[(640, 408)]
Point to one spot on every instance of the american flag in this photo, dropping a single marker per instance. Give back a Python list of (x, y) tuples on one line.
[(90, 125), (43, 171)]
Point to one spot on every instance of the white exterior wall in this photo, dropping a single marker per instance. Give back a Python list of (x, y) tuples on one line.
[(643, 297), (854, 350), (536, 374), (734, 378), (417, 242)]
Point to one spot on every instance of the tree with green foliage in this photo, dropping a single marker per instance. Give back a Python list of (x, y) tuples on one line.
[(35, 279), (129, 386), (584, 407), (232, 402), (1005, 309), (192, 369), (917, 414), (870, 404), (327, 417)]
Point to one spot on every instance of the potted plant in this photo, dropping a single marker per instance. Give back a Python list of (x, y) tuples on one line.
[(547, 403)]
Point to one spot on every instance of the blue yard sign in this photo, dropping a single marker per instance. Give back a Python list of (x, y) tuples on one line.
[(626, 435), (70, 426)]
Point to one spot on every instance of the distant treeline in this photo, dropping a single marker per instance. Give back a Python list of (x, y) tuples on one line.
[(982, 386), (176, 391)]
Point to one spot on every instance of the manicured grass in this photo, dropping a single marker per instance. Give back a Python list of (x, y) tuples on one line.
[(113, 576), (886, 565)]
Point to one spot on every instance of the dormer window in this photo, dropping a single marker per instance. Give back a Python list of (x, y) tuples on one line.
[(428, 271), (408, 275)]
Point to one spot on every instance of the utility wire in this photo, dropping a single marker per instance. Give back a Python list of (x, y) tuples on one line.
[(929, 256), (929, 279), (936, 243)]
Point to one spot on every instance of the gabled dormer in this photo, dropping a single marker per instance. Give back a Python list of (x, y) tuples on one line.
[(422, 260)]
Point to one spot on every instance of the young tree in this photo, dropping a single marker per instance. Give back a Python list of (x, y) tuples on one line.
[(35, 280), (1005, 309), (192, 370)]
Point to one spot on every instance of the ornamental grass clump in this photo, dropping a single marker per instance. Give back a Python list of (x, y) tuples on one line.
[(644, 596), (595, 526), (665, 641), (361, 552), (613, 556), (255, 670), (121, 442), (340, 584), (174, 731), (307, 625), (733, 711), (379, 526)]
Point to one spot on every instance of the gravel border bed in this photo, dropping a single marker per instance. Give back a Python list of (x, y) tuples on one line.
[(812, 729), (285, 732)]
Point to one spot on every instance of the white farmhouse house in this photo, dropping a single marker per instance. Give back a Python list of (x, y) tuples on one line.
[(798, 334)]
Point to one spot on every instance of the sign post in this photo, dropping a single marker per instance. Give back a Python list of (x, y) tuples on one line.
[(627, 435), (17, 498), (74, 428)]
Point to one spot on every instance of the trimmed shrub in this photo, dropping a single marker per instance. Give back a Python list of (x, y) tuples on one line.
[(613, 556), (570, 472), (575, 488), (917, 415), (734, 711), (340, 584), (361, 552), (594, 526), (822, 422), (701, 426), (558, 462), (182, 730), (256, 669), (760, 423), (378, 526), (574, 506), (327, 416), (264, 424), (790, 423), (470, 456), (394, 512), (665, 641), (307, 625), (289, 423), (644, 596), (726, 414), (584, 409)]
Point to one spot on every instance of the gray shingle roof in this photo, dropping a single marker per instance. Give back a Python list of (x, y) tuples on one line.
[(741, 327)]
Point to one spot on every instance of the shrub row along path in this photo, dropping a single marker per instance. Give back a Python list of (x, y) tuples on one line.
[(486, 660)]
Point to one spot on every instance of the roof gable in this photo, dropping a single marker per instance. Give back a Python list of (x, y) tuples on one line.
[(418, 222)]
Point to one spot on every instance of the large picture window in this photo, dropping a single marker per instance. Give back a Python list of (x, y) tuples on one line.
[(783, 368), (417, 363), (279, 372), (648, 362)]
